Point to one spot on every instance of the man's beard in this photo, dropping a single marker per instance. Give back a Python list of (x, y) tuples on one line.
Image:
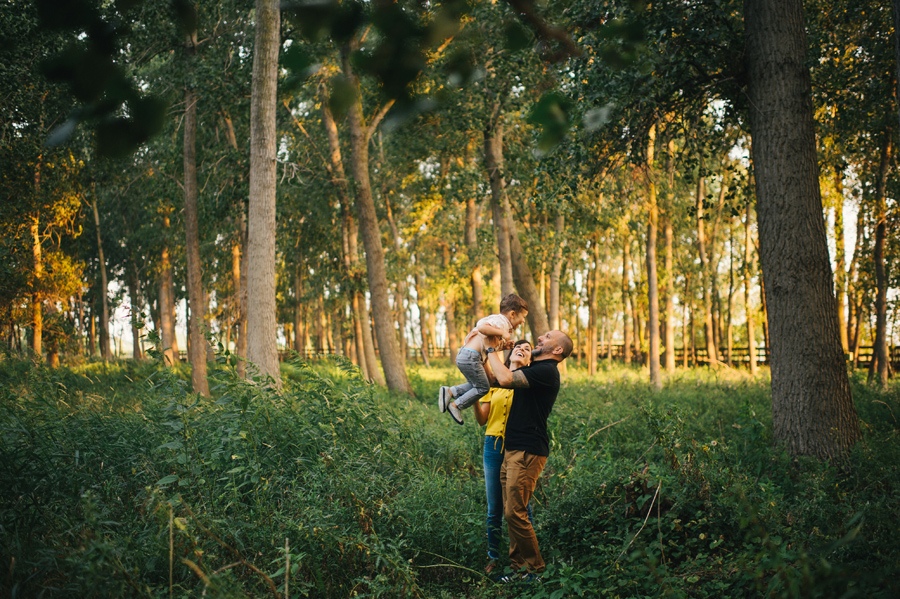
[(537, 351)]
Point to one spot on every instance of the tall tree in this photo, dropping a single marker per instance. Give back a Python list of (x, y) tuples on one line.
[(261, 327), (392, 360), (812, 406), (196, 294)]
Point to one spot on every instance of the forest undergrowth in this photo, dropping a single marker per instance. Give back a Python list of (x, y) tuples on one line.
[(116, 481)]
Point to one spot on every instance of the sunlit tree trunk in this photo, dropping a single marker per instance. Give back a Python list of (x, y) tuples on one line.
[(812, 407), (167, 302), (669, 259), (626, 292), (262, 348), (37, 316), (840, 275), (593, 307), (652, 281)]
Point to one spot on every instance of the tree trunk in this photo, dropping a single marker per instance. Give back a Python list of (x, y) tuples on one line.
[(555, 271), (652, 282), (524, 280), (711, 354), (593, 307), (392, 360), (105, 350), (449, 310), (493, 161), (402, 294), (241, 343), (167, 303), (137, 352), (262, 349), (669, 260), (626, 292), (880, 354), (37, 317), (840, 274), (196, 296), (471, 235), (423, 316), (365, 347), (812, 407)]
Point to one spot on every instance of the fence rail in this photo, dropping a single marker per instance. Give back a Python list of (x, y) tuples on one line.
[(740, 356)]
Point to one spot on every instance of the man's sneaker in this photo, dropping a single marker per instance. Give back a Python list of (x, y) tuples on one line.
[(444, 398), (454, 412)]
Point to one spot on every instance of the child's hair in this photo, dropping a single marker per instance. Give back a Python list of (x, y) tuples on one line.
[(513, 302)]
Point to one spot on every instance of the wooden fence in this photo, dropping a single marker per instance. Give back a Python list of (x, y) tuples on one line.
[(740, 356)]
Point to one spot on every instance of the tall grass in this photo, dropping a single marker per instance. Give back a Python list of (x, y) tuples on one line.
[(675, 494)]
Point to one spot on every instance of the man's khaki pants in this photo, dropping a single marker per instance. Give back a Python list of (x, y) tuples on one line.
[(519, 475)]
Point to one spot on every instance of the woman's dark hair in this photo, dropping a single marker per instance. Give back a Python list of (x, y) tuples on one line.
[(515, 345)]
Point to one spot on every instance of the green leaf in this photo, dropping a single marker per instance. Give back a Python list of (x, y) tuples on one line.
[(167, 480)]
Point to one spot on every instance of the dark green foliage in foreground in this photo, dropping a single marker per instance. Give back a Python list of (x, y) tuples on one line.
[(675, 495)]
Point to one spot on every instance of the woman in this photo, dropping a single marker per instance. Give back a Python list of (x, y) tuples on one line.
[(493, 409)]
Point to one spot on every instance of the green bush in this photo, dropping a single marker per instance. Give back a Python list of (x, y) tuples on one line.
[(676, 494)]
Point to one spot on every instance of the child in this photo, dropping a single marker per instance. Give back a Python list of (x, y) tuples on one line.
[(473, 354)]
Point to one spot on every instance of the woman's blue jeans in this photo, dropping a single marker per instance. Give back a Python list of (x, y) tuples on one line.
[(493, 459)]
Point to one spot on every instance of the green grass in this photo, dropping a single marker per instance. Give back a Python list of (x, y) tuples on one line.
[(675, 494)]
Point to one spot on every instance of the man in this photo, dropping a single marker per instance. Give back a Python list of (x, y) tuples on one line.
[(526, 442)]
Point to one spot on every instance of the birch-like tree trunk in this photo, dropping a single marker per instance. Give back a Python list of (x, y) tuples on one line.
[(669, 257), (559, 228), (262, 349)]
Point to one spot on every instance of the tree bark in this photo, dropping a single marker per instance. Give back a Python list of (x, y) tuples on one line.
[(524, 280), (167, 302), (196, 296), (840, 274), (365, 346), (626, 291), (880, 355), (652, 282), (555, 272), (471, 237), (37, 316), (812, 407), (449, 310), (105, 350), (593, 306), (711, 354), (134, 292), (392, 360), (261, 325), (493, 161), (669, 260)]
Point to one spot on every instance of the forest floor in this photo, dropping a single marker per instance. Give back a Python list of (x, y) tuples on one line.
[(116, 481)]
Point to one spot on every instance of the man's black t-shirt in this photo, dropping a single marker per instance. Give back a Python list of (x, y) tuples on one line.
[(526, 427)]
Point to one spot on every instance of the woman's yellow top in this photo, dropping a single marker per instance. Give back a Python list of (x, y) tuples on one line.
[(501, 402)]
